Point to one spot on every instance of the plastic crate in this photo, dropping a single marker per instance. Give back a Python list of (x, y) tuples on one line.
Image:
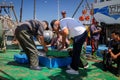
[(21, 58), (50, 62), (54, 62), (101, 48), (41, 47), (57, 53), (88, 49)]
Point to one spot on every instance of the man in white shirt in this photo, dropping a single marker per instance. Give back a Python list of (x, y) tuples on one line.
[(75, 30)]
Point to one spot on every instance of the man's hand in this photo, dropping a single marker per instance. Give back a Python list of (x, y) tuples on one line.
[(42, 42), (61, 48), (109, 50), (15, 42), (46, 49)]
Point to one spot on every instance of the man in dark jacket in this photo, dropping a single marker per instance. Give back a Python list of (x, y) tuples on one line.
[(113, 53)]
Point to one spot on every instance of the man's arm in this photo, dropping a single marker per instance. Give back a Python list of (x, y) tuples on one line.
[(42, 42), (118, 54), (64, 34), (114, 56), (97, 31)]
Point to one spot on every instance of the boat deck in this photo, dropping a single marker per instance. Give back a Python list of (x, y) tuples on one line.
[(10, 70)]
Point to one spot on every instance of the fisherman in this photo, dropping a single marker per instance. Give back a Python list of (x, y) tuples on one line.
[(113, 53), (63, 13), (46, 25), (24, 34), (75, 30), (95, 35)]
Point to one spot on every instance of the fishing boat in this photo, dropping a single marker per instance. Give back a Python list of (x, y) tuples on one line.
[(107, 12), (12, 70), (7, 24)]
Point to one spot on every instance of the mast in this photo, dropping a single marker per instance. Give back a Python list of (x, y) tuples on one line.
[(34, 13), (58, 9), (88, 5), (4, 5), (21, 10)]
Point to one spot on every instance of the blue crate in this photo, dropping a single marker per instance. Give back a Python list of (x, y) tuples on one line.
[(54, 62), (99, 51), (41, 47), (21, 58), (46, 61), (88, 49)]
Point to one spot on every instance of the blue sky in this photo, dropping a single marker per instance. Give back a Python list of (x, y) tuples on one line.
[(47, 9)]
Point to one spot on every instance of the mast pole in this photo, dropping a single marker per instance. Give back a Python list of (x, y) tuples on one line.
[(58, 10), (34, 13), (21, 10)]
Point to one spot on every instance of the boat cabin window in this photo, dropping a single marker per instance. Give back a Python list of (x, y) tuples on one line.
[(104, 0), (101, 0)]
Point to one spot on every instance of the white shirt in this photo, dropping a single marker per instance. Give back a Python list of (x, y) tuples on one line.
[(75, 27)]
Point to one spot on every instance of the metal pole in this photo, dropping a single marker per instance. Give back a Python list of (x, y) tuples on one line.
[(88, 5), (77, 8), (12, 7), (34, 14), (21, 10), (58, 10), (15, 15)]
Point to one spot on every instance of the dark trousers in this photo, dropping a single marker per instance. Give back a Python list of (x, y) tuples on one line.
[(118, 65), (107, 62), (77, 46), (26, 41), (94, 45)]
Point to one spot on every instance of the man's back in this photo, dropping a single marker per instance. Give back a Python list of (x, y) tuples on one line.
[(75, 27)]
